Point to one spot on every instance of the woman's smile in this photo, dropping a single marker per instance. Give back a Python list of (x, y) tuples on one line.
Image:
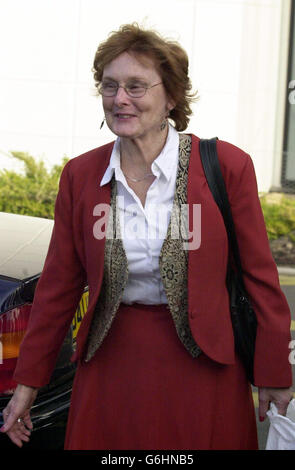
[(124, 116)]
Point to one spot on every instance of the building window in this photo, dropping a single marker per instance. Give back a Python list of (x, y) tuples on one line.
[(288, 167)]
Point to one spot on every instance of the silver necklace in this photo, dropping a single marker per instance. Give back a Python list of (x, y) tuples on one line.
[(136, 180)]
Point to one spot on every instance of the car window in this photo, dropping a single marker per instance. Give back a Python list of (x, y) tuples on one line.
[(7, 287)]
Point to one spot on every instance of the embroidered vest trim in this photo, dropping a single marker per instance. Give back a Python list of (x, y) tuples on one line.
[(173, 263)]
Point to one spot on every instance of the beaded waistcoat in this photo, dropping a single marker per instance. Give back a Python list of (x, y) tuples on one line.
[(173, 264)]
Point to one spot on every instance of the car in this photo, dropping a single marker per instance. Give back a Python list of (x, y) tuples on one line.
[(24, 242)]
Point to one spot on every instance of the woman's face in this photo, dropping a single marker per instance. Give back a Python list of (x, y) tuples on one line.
[(134, 117)]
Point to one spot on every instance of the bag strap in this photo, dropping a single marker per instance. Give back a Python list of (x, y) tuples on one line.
[(210, 162)]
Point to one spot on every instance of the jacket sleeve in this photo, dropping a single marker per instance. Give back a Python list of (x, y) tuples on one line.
[(57, 295), (271, 365)]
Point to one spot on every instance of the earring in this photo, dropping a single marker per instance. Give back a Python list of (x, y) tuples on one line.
[(163, 125), (102, 123), (165, 121)]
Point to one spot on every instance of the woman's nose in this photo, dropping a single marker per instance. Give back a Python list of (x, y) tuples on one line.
[(121, 95)]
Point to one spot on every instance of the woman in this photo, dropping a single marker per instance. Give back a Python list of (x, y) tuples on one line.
[(156, 365)]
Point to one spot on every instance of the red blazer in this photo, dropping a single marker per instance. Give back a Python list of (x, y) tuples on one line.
[(75, 258)]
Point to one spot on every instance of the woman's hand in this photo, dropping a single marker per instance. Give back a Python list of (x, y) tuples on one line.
[(16, 415), (279, 396)]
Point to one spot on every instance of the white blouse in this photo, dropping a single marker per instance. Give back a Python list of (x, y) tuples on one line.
[(143, 229)]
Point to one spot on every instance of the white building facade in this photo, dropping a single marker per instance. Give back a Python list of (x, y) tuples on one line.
[(242, 63)]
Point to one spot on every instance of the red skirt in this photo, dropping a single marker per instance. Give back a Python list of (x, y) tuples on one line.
[(143, 391)]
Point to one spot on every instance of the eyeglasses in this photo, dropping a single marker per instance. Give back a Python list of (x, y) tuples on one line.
[(134, 90)]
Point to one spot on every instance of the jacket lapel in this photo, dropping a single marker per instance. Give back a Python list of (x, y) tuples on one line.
[(174, 255), (115, 276)]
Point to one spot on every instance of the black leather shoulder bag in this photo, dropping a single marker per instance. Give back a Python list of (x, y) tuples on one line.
[(243, 317)]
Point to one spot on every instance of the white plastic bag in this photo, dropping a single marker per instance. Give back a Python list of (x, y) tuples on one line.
[(281, 434)]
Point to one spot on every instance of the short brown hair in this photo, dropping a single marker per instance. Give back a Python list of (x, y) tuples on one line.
[(170, 60)]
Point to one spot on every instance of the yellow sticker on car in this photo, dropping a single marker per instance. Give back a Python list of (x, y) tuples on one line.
[(80, 312)]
